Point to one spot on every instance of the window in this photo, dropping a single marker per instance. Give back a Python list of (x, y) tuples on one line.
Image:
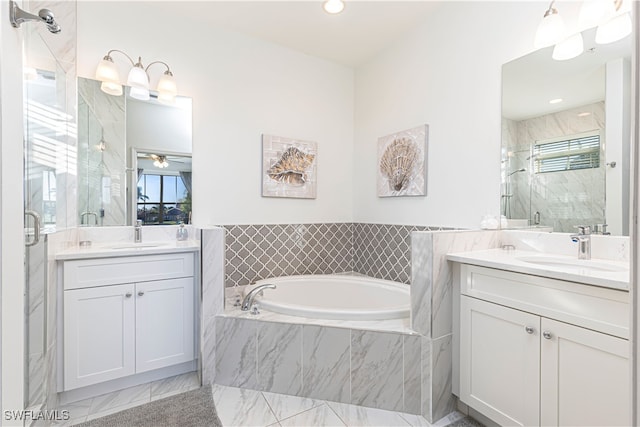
[(160, 199), (573, 152)]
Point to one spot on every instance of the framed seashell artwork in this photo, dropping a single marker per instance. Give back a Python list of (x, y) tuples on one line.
[(402, 163), (288, 167)]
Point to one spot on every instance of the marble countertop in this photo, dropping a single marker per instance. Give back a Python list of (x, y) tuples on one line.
[(598, 272), (119, 249)]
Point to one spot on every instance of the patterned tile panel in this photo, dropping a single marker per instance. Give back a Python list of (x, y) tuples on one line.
[(255, 252), (384, 251), (260, 251)]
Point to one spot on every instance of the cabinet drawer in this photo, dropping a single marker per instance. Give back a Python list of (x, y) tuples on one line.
[(601, 309), (112, 271)]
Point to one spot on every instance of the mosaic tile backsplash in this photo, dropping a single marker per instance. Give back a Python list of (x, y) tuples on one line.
[(260, 251)]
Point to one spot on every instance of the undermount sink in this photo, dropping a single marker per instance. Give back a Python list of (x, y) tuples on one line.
[(135, 246), (578, 264)]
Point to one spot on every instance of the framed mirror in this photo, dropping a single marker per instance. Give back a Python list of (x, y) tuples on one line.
[(117, 135), (565, 139)]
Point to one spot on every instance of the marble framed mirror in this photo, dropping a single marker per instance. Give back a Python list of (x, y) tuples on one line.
[(566, 139), (113, 131)]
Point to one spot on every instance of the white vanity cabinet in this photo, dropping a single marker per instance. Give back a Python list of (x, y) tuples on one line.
[(126, 315), (538, 351)]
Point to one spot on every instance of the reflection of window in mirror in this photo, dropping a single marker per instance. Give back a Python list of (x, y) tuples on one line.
[(163, 189)]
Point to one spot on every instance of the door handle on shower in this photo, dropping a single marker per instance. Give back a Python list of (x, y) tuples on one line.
[(36, 227)]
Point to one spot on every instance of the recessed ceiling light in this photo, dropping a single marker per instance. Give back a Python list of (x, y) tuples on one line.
[(585, 114), (333, 6), (555, 101)]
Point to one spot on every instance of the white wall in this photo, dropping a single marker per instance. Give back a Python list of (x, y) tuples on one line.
[(241, 87), (447, 74)]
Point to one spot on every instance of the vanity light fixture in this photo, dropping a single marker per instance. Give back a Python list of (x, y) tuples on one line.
[(551, 29), (333, 6), (138, 79)]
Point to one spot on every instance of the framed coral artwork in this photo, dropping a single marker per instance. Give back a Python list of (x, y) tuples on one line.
[(402, 163), (288, 167)]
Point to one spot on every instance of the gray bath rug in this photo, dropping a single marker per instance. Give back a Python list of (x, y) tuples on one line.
[(194, 408), (466, 422)]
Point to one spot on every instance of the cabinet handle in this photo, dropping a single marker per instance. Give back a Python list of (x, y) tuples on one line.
[(128, 295), (547, 335), (140, 293), (529, 329)]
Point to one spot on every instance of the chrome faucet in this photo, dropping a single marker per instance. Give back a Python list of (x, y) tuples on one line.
[(583, 238), (137, 232), (247, 303)]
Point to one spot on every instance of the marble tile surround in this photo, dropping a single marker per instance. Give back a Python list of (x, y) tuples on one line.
[(562, 198), (366, 368)]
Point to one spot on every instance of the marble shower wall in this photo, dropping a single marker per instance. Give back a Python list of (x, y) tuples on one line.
[(255, 252), (432, 310), (101, 173), (565, 198)]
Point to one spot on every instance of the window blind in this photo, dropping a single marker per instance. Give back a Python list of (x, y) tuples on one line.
[(574, 153)]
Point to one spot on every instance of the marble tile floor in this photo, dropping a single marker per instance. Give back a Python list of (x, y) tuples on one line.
[(117, 401), (243, 407)]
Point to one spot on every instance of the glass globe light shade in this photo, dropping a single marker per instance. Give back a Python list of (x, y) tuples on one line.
[(568, 48), (551, 30), (139, 93), (107, 71), (111, 88), (138, 77), (615, 29), (595, 12)]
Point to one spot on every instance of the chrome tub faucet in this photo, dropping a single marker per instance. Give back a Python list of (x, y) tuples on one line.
[(583, 238), (247, 303)]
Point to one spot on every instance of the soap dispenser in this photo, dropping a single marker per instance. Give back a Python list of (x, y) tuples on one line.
[(182, 234)]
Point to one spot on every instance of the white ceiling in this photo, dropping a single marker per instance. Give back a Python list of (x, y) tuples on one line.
[(350, 38)]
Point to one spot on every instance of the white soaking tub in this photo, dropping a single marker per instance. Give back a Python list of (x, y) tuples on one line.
[(335, 296)]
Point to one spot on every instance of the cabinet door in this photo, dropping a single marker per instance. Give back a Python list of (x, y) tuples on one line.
[(99, 340), (585, 377), (164, 323), (500, 362)]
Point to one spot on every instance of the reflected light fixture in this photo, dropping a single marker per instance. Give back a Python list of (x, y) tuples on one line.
[(614, 29), (138, 79), (551, 29), (593, 12), (555, 101), (160, 161), (333, 6), (568, 48)]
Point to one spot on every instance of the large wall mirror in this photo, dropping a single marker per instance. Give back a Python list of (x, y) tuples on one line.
[(134, 159), (566, 139)]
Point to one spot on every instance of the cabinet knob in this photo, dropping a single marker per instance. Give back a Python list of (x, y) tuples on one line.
[(529, 329), (140, 293), (547, 335), (128, 295)]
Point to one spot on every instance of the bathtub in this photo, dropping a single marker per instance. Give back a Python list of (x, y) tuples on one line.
[(335, 296)]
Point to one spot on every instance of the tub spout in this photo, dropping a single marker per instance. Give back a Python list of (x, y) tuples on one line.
[(248, 300)]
